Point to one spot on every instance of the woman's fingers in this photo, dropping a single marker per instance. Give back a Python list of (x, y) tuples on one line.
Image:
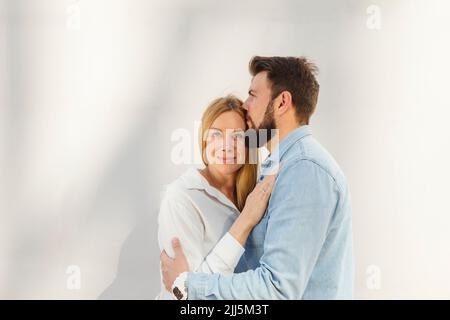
[(265, 187), (269, 181), (268, 191)]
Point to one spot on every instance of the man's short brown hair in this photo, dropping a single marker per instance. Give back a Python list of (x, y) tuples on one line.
[(296, 75)]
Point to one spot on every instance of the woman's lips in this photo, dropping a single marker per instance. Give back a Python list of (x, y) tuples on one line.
[(227, 159)]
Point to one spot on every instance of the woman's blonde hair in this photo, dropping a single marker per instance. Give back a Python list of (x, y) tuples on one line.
[(246, 177)]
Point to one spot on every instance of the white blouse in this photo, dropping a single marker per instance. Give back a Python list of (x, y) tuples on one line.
[(200, 216)]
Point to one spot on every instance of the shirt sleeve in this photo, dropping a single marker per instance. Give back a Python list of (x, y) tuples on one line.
[(178, 217), (299, 211), (224, 257)]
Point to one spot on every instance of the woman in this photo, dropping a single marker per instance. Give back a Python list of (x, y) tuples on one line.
[(201, 205)]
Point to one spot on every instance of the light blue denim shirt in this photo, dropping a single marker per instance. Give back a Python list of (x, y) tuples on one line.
[(302, 247)]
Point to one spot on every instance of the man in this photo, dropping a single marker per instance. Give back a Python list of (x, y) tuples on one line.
[(302, 247)]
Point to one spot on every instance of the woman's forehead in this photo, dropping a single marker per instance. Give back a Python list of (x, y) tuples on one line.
[(229, 120)]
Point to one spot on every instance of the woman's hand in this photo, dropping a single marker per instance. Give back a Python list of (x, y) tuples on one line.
[(257, 200), (254, 209)]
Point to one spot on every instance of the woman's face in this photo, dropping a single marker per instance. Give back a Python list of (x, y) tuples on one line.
[(225, 143)]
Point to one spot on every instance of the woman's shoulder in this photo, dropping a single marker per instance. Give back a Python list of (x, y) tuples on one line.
[(181, 188), (179, 198)]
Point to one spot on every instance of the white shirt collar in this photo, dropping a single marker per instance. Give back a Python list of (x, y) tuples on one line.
[(193, 179)]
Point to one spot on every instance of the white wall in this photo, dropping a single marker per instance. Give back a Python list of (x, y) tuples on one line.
[(91, 91)]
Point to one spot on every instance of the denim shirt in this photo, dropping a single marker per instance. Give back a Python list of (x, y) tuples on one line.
[(302, 247)]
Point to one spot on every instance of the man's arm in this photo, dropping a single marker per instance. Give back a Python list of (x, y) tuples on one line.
[(301, 207), (227, 252)]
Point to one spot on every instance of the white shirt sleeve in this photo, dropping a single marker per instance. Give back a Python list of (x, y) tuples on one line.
[(224, 257), (178, 217)]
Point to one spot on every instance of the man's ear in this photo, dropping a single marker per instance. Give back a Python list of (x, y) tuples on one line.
[(283, 102)]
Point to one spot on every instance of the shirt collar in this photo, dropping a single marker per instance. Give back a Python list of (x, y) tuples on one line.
[(277, 153), (195, 180)]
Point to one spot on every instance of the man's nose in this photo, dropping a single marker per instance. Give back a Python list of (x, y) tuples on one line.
[(245, 106)]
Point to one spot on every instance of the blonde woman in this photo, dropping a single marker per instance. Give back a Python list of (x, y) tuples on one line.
[(202, 208)]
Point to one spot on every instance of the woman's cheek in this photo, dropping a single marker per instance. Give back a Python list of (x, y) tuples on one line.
[(241, 158), (240, 153), (210, 153)]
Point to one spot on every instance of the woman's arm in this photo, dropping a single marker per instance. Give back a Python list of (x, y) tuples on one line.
[(179, 218)]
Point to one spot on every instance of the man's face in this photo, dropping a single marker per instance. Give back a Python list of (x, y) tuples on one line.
[(259, 107)]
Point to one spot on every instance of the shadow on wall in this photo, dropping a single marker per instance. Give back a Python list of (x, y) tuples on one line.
[(136, 269), (138, 274)]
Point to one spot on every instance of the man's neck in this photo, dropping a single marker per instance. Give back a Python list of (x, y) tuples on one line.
[(280, 134)]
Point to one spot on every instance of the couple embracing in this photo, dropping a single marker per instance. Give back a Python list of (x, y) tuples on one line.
[(281, 230)]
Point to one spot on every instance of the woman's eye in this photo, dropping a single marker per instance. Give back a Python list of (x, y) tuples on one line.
[(238, 136), (216, 134)]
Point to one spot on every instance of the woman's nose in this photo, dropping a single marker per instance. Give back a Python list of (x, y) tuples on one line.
[(228, 144)]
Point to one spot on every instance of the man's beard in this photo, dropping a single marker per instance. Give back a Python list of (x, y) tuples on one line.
[(266, 129)]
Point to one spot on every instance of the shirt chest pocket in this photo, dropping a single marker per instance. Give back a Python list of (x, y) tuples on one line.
[(258, 234)]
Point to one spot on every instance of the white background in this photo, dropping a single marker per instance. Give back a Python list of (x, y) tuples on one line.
[(91, 92)]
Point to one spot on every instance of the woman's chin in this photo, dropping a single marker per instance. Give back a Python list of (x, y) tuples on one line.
[(227, 168)]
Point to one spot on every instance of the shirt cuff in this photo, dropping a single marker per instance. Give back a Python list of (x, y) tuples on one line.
[(198, 284), (229, 250)]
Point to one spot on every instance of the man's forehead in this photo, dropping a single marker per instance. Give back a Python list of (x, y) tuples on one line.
[(259, 81)]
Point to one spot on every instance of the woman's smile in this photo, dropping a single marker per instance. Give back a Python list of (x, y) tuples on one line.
[(226, 159)]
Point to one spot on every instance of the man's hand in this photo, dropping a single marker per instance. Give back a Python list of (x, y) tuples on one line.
[(172, 268)]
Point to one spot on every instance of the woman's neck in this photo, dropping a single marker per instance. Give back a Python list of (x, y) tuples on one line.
[(225, 183)]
